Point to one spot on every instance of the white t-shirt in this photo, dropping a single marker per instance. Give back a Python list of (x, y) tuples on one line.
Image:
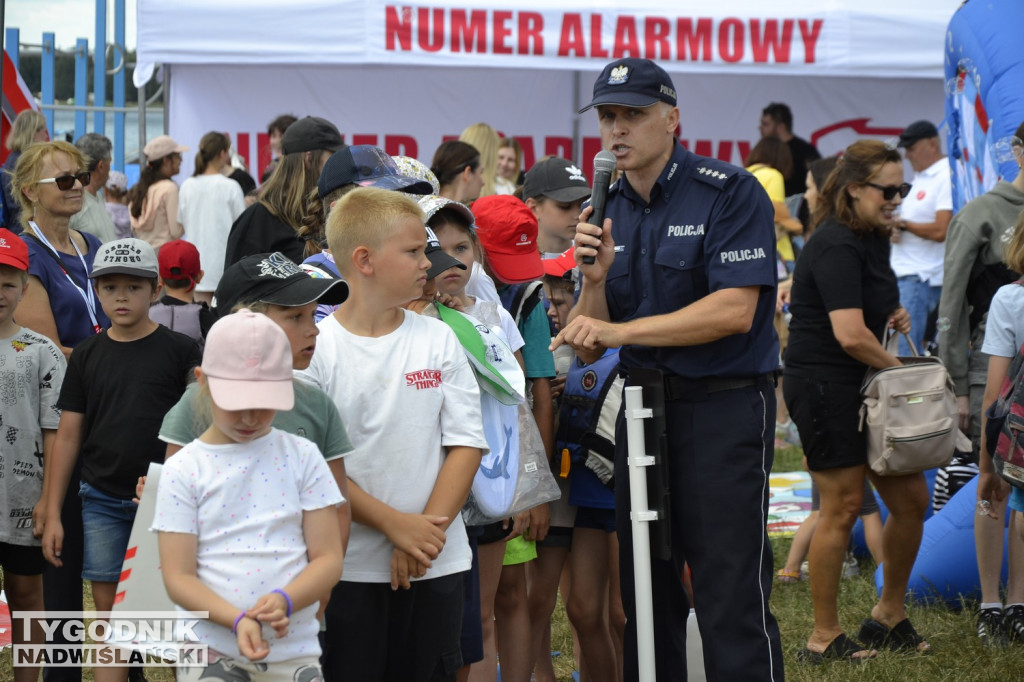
[(492, 313), (1004, 331), (404, 397), (207, 207), (480, 285), (930, 192), (243, 502)]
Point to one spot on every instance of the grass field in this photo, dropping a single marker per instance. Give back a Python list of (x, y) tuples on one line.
[(957, 657)]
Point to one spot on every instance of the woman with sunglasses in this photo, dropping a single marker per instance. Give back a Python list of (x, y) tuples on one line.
[(48, 181), (153, 201), (844, 298)]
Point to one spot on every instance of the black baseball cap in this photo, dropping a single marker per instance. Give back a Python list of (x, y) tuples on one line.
[(557, 179), (273, 278), (366, 166), (309, 134), (632, 83), (439, 260), (918, 130)]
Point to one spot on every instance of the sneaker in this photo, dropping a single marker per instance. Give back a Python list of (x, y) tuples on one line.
[(1013, 623), (851, 568), (787, 433), (991, 628)]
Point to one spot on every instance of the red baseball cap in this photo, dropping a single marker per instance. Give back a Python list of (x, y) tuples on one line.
[(13, 250), (560, 266), (179, 260), (507, 230)]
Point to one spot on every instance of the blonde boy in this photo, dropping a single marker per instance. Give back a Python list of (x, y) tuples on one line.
[(402, 382)]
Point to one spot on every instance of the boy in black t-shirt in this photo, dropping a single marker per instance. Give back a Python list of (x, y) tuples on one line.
[(118, 386)]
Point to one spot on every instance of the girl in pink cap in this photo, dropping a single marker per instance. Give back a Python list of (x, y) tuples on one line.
[(246, 515)]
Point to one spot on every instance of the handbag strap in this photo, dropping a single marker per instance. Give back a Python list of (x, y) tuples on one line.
[(892, 344)]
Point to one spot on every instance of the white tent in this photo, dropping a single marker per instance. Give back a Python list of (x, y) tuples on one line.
[(408, 75)]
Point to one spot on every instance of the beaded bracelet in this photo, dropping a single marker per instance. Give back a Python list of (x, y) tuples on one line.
[(287, 599), (234, 628)]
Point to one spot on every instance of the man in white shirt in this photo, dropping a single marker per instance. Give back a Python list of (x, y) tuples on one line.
[(917, 242)]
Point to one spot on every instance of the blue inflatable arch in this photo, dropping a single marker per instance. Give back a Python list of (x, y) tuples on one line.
[(984, 66)]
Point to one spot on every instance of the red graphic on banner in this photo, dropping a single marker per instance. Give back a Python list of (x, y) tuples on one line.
[(857, 125)]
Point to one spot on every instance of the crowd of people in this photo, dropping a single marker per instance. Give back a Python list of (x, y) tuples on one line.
[(298, 357)]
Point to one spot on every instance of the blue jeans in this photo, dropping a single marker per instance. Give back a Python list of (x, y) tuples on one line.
[(920, 299), (107, 524)]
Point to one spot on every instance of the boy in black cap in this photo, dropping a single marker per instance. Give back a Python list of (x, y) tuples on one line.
[(119, 384), (271, 284), (554, 189)]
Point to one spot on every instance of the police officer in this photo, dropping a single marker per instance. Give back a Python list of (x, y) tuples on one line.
[(684, 281)]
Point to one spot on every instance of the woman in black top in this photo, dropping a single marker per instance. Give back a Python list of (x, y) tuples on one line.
[(844, 297)]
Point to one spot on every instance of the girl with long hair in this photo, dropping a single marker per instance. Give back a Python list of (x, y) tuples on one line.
[(209, 203)]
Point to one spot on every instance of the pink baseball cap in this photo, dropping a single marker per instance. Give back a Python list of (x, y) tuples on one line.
[(248, 363)]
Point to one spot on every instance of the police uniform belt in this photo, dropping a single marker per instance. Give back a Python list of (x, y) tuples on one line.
[(681, 388)]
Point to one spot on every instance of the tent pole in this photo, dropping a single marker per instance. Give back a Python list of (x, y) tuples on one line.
[(167, 98)]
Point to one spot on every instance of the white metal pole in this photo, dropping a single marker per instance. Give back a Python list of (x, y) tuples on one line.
[(640, 516)]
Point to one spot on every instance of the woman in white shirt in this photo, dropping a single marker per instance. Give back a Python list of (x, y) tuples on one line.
[(208, 204)]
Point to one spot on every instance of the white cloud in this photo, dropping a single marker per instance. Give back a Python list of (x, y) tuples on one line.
[(68, 20)]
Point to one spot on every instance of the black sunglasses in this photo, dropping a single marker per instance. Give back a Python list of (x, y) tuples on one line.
[(66, 182), (889, 191)]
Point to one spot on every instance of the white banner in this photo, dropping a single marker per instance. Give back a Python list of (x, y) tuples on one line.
[(411, 110), (876, 38)]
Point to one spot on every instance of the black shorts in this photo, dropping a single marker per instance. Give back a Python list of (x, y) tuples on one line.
[(557, 536), (598, 519), (493, 532), (376, 633), (472, 639), (827, 415), (22, 559)]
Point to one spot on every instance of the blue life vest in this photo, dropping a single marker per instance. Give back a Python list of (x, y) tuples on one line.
[(586, 388)]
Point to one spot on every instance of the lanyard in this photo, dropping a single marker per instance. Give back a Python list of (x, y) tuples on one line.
[(87, 294)]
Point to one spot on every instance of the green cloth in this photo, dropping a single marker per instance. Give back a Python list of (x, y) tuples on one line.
[(519, 551)]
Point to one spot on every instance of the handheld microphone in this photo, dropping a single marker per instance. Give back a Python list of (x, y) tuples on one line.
[(604, 166)]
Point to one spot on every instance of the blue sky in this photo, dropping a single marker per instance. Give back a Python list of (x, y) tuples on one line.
[(67, 19)]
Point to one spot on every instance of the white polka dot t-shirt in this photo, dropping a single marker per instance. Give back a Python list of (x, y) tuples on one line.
[(244, 502)]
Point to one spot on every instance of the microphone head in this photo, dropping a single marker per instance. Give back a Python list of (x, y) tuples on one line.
[(604, 162)]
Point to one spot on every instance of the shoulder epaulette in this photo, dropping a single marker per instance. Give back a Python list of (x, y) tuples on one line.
[(712, 172)]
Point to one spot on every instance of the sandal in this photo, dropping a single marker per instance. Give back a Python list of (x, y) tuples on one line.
[(784, 576), (902, 637), (842, 648)]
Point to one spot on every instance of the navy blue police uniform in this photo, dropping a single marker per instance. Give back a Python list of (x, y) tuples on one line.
[(708, 226)]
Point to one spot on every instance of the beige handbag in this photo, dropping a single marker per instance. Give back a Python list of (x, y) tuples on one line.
[(910, 415)]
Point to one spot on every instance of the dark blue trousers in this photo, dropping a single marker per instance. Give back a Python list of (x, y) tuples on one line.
[(721, 448)]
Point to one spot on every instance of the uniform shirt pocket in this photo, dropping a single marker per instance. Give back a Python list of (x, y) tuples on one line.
[(621, 302), (681, 273)]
